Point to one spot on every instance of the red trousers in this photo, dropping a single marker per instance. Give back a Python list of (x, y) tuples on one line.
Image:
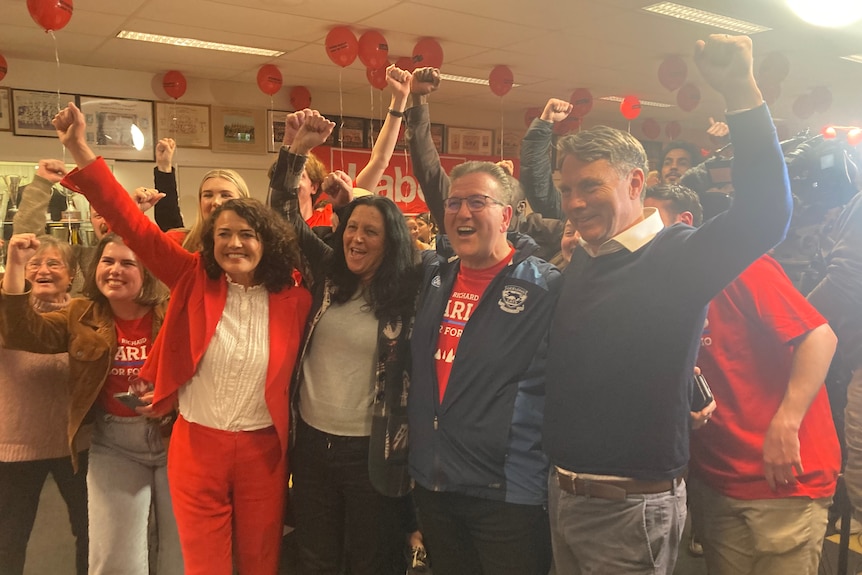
[(228, 490)]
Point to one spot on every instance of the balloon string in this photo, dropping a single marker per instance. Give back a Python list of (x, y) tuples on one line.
[(341, 119), (502, 127), (59, 104), (371, 130)]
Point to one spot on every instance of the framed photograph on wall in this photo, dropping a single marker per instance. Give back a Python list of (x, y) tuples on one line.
[(187, 124), (119, 129), (275, 129), (5, 110), (438, 132), (352, 132), (239, 130), (473, 141), (32, 112), (511, 145)]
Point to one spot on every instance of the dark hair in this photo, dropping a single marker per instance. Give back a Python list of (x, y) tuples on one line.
[(277, 239), (393, 288), (681, 198), (692, 150), (153, 292)]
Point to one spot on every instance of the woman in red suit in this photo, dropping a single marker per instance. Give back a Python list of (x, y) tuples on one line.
[(225, 357)]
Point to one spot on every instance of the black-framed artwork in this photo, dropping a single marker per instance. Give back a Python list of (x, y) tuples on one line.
[(118, 128), (32, 111)]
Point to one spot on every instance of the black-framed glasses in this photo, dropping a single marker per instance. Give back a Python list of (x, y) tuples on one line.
[(475, 203)]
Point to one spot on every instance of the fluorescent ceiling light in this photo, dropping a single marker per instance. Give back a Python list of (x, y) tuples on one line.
[(469, 80), (192, 43), (704, 17), (643, 102), (853, 58), (827, 13)]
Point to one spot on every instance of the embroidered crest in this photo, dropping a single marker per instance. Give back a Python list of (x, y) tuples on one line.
[(513, 298), (435, 281)]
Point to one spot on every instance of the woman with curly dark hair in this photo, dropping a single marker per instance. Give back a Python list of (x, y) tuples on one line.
[(349, 449), (225, 357)]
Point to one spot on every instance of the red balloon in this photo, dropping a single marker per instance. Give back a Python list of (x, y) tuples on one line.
[(829, 132), (822, 97), (672, 72), (688, 97), (501, 80), (428, 52), (771, 91), (50, 14), (174, 84), (854, 137), (405, 63), (269, 79), (803, 107), (651, 129), (582, 102), (630, 107), (376, 77), (300, 98), (342, 46), (567, 126), (3, 67), (373, 50), (672, 130), (774, 68), (530, 115)]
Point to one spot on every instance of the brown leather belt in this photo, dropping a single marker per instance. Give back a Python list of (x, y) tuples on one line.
[(615, 490)]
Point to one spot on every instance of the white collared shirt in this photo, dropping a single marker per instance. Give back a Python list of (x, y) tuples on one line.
[(631, 239)]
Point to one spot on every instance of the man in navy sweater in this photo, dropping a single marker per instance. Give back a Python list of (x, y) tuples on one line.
[(627, 328)]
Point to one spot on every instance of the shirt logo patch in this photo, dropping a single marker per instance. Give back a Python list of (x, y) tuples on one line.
[(435, 281), (513, 298)]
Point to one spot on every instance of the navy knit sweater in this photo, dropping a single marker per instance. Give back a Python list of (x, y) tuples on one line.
[(627, 325)]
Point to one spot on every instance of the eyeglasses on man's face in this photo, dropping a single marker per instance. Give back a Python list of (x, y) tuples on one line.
[(475, 203)]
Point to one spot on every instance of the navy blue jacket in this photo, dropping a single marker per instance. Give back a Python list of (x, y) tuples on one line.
[(485, 439)]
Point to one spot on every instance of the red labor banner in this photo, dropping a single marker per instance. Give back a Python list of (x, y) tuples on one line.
[(399, 181)]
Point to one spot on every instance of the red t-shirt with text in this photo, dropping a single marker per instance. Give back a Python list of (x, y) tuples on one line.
[(134, 340)]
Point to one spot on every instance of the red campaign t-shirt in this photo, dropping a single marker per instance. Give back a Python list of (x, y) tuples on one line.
[(466, 293), (745, 356), (321, 216), (134, 341)]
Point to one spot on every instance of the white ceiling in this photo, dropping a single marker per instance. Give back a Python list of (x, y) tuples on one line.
[(611, 47)]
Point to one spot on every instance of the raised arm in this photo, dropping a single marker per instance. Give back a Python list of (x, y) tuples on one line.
[(36, 196), (307, 130), (161, 255), (20, 326), (167, 210), (433, 180), (537, 174), (757, 220), (399, 83)]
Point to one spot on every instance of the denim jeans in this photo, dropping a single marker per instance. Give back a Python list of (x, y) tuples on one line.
[(20, 488), (128, 475), (639, 535), (467, 535), (340, 518)]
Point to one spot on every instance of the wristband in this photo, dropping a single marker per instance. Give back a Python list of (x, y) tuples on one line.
[(396, 113)]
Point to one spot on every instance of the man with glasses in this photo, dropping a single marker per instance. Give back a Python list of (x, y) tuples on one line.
[(477, 393)]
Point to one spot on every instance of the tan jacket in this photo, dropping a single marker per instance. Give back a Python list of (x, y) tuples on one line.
[(84, 329)]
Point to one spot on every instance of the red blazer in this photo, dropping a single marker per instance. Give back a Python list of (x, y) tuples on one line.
[(197, 302)]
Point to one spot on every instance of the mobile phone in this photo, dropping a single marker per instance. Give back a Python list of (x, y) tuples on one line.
[(130, 400), (702, 395)]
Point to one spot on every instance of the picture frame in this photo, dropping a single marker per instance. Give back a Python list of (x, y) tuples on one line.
[(352, 132), (239, 130), (438, 135), (509, 145), (471, 141), (118, 128), (32, 112), (5, 110), (188, 124), (275, 129)]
